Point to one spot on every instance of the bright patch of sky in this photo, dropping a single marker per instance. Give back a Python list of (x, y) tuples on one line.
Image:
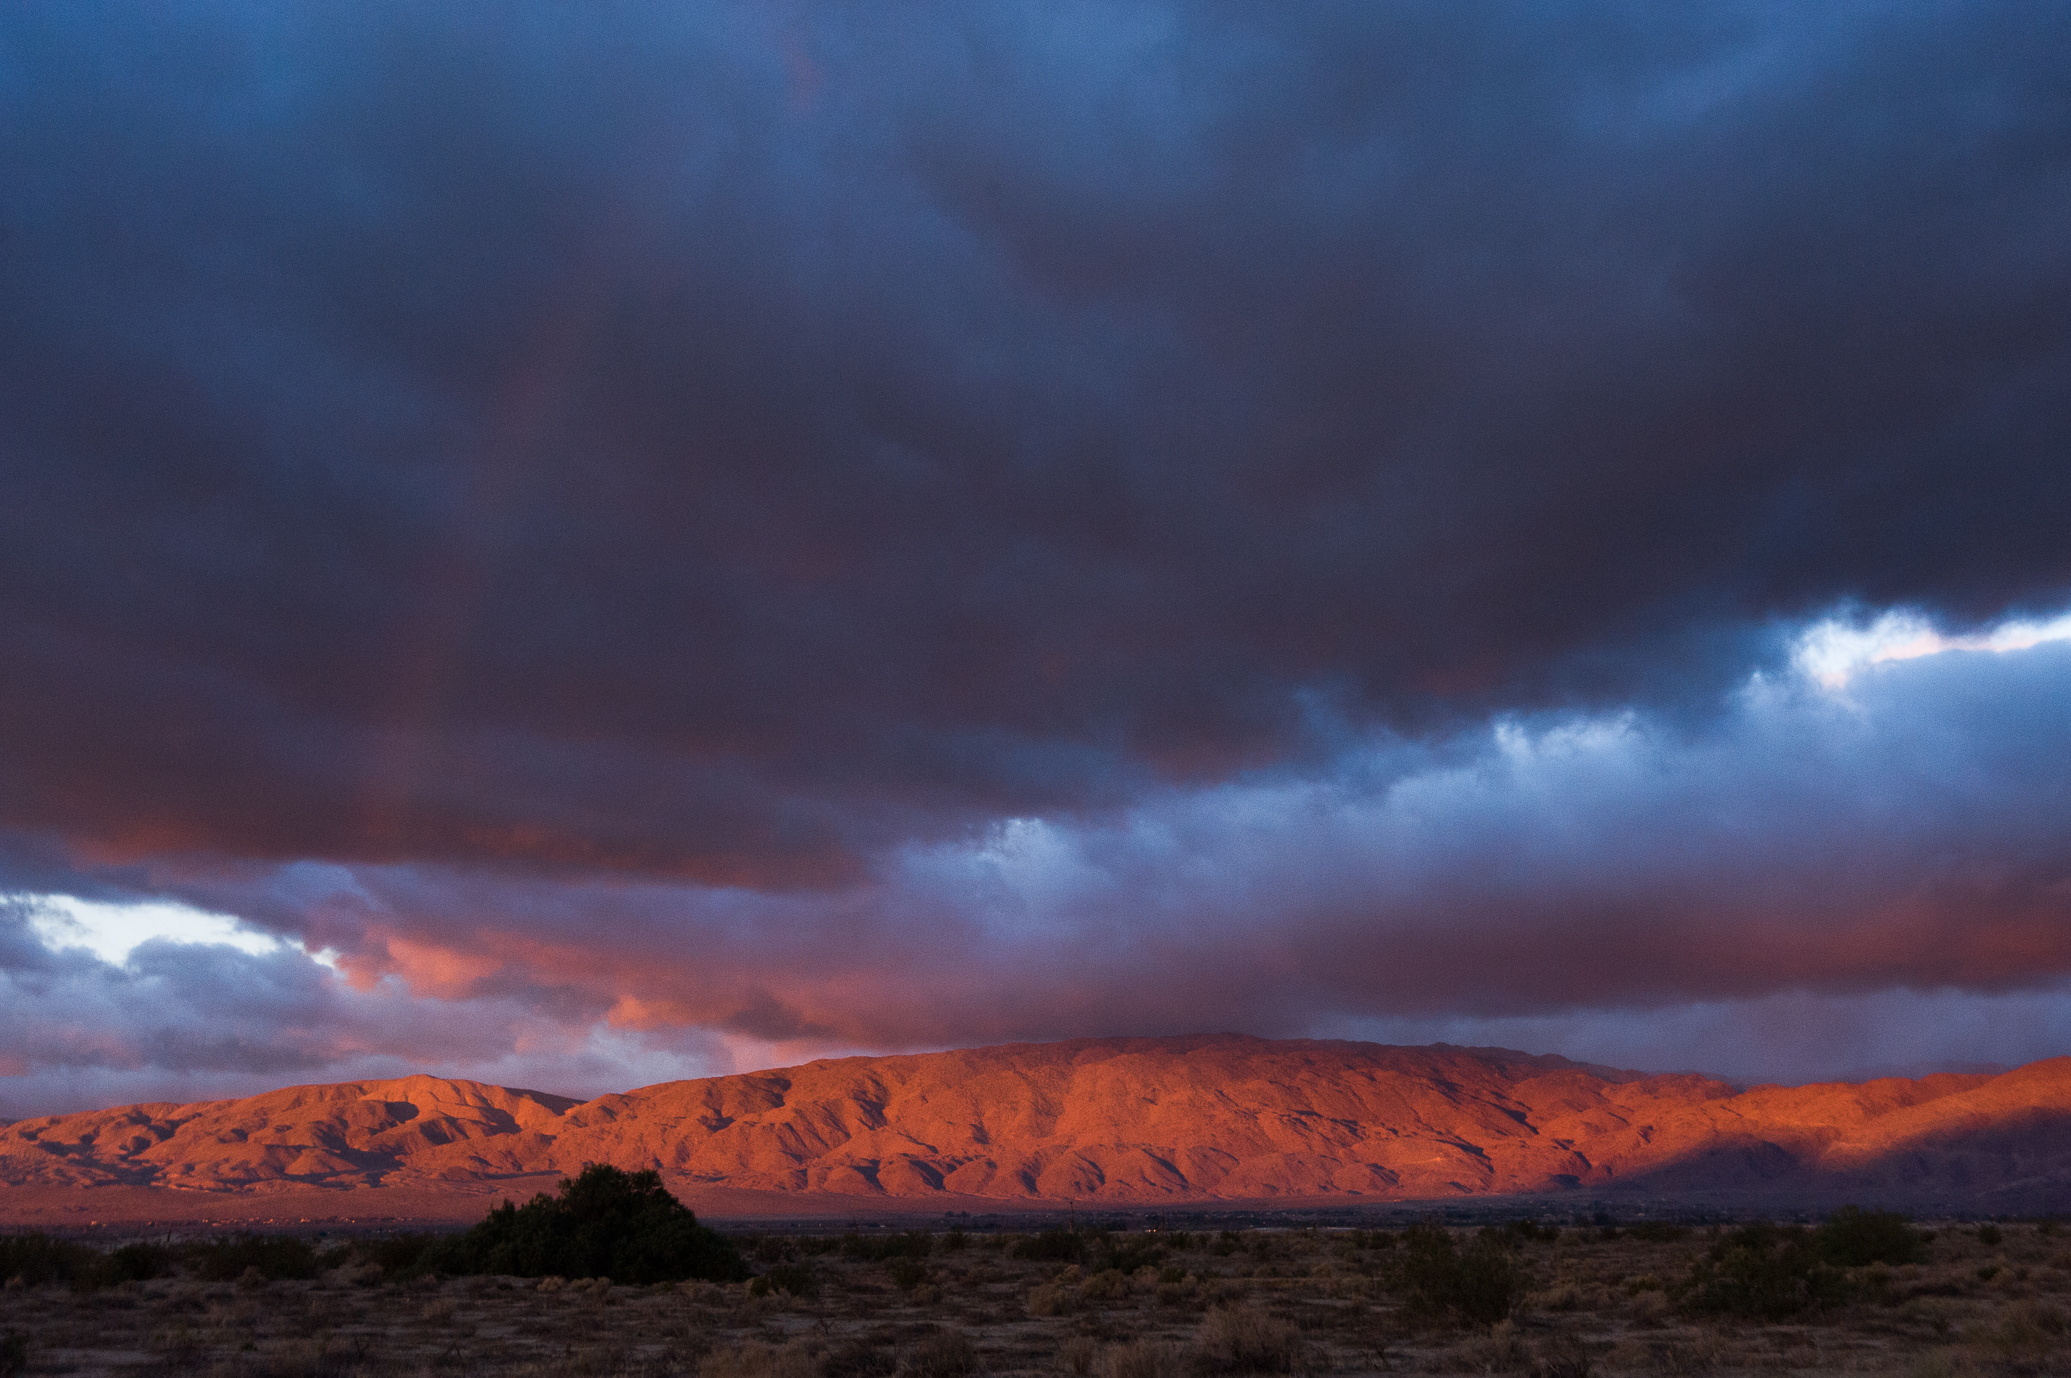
[(112, 931), (1833, 652)]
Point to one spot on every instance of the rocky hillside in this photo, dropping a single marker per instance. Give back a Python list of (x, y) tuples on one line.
[(1120, 1121)]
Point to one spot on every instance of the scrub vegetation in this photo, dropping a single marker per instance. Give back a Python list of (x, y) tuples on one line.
[(1861, 1292)]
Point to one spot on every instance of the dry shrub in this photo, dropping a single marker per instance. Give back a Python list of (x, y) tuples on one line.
[(753, 1359), (439, 1311), (1111, 1285), (1244, 1340), (1053, 1300), (552, 1284), (1143, 1359), (944, 1354)]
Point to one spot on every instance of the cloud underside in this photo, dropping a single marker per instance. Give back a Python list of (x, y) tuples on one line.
[(655, 531), (1809, 884)]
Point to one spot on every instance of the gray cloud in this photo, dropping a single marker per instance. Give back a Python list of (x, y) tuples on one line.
[(729, 441)]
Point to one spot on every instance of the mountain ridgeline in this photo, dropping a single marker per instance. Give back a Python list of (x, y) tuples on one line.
[(1138, 1121)]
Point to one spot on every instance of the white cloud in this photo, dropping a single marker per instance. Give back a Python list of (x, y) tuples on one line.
[(112, 931), (1834, 651)]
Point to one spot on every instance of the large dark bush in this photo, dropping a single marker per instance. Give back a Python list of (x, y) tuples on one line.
[(1762, 1272), (1127, 1253), (276, 1256), (1477, 1285), (139, 1262), (1052, 1246), (604, 1223), (40, 1261), (1854, 1238), (398, 1255)]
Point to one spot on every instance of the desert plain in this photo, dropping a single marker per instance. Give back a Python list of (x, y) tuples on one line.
[(1985, 1299)]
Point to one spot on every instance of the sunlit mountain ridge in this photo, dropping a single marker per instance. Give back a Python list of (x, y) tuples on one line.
[(1121, 1121)]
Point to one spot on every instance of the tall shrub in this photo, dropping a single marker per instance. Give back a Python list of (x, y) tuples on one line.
[(604, 1223)]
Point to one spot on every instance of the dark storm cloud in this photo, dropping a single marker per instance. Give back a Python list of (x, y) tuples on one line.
[(730, 442)]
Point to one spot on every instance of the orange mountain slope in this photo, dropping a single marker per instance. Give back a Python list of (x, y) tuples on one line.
[(1142, 1121)]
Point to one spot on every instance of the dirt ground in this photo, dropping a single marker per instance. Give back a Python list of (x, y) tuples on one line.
[(1290, 1301)]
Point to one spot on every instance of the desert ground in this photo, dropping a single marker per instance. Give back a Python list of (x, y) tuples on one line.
[(878, 1302)]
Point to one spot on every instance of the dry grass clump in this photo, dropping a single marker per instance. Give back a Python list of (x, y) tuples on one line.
[(1247, 1340), (1053, 1299), (1144, 1359)]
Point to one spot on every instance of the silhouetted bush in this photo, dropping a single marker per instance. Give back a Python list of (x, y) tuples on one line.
[(1855, 1238), (906, 1273), (1052, 1246), (1126, 1253), (1988, 1234), (139, 1262), (605, 1223), (40, 1261), (1478, 1285), (276, 1256), (398, 1255), (1762, 1272)]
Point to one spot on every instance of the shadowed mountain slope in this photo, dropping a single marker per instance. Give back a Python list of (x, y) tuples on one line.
[(1120, 1120)]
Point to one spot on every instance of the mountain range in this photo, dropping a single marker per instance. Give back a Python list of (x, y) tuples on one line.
[(1138, 1122)]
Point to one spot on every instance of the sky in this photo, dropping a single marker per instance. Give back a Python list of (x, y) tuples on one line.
[(578, 545)]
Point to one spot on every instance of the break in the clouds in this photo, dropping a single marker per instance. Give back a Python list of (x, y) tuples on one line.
[(741, 528)]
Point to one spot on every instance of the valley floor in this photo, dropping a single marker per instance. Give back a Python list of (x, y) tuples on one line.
[(1289, 1301)]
